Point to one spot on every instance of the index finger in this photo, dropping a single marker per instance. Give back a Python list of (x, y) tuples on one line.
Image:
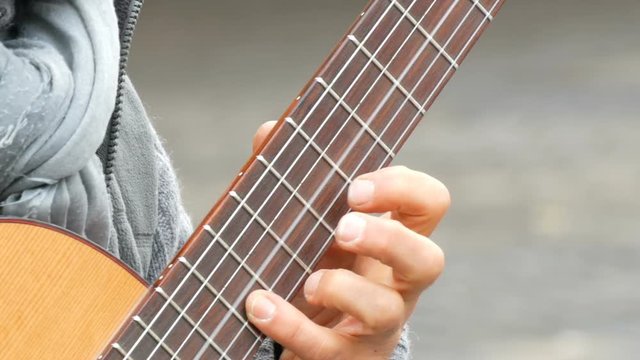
[(416, 199)]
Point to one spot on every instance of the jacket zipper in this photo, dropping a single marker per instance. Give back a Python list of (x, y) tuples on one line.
[(111, 141)]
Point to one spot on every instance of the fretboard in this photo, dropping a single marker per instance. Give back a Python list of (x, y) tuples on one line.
[(277, 219)]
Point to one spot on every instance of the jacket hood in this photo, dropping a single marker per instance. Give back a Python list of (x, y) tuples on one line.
[(7, 13), (127, 12)]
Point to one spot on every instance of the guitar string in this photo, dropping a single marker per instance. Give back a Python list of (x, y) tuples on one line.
[(320, 187), (190, 272), (437, 87), (403, 105), (417, 116), (295, 222), (224, 320), (327, 242), (487, 16), (407, 99), (269, 226)]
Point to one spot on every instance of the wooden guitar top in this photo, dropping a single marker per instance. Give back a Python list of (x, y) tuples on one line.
[(60, 296)]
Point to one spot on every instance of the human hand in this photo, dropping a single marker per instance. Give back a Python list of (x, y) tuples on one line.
[(370, 280)]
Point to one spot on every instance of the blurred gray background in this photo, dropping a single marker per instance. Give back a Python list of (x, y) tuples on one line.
[(537, 138)]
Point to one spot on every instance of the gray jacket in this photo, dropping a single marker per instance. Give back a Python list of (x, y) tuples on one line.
[(76, 146)]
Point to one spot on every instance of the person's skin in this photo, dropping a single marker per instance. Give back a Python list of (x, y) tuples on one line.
[(359, 313)]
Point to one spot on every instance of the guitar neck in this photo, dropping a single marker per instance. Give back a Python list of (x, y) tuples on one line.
[(279, 216)]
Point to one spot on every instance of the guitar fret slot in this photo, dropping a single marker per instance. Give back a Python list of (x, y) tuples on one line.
[(355, 116), (193, 324), (120, 350), (388, 75), (236, 257), (317, 148), (138, 320), (214, 292), (307, 206), (487, 13), (429, 38), (266, 227)]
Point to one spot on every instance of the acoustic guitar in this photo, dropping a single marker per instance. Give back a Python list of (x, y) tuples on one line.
[(64, 298)]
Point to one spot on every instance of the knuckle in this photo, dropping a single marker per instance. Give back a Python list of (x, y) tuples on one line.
[(441, 197), (330, 284), (389, 313), (431, 262), (296, 332), (268, 125), (287, 355), (316, 350), (397, 177), (389, 233), (320, 351), (400, 169), (402, 175), (263, 130)]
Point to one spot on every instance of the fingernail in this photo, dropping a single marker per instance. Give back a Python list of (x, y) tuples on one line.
[(350, 228), (311, 285), (262, 308), (361, 192)]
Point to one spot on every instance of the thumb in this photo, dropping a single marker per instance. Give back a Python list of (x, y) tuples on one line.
[(262, 133)]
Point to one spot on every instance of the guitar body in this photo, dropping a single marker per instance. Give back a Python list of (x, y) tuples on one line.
[(61, 297)]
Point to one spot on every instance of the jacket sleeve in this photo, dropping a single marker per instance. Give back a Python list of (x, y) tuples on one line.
[(58, 82)]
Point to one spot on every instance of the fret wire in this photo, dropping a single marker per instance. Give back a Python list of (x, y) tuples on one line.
[(316, 105), (257, 342), (353, 114), (378, 22), (365, 96), (386, 72), (429, 37), (202, 333), (236, 257), (398, 142), (137, 319), (289, 187), (342, 71), (487, 13), (214, 292), (332, 234), (119, 348), (280, 153), (404, 73), (466, 45), (233, 341), (394, 146), (327, 242), (218, 296), (284, 245), (317, 148)]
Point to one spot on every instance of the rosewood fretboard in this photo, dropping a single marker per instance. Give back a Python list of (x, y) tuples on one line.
[(270, 229)]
